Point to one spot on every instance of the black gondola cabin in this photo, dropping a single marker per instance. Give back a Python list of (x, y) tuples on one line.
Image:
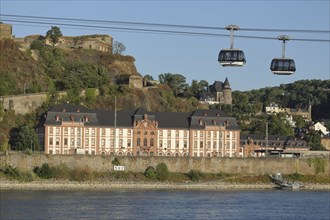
[(282, 66), (231, 57)]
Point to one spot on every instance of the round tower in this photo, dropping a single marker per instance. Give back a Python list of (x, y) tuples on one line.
[(227, 93)]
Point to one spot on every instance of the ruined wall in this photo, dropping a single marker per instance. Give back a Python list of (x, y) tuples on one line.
[(253, 166), (6, 31), (23, 104)]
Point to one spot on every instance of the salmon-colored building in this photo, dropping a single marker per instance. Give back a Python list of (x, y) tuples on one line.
[(73, 129)]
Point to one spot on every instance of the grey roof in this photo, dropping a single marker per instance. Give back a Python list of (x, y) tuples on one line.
[(125, 118)]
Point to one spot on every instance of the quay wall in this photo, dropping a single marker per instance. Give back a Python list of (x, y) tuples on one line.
[(253, 166)]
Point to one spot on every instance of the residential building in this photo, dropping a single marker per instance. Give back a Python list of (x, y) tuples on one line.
[(71, 129), (254, 145), (318, 126)]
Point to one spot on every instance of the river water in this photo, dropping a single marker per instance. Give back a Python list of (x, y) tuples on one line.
[(234, 204)]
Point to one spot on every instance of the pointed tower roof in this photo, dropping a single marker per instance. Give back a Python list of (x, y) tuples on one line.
[(226, 84)]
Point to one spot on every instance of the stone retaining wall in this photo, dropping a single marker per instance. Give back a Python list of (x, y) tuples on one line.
[(254, 166)]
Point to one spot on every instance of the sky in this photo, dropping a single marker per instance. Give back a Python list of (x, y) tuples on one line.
[(195, 57)]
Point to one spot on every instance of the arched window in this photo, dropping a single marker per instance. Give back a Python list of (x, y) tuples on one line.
[(151, 142), (138, 142), (145, 142)]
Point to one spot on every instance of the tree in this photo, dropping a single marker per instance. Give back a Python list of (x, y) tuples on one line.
[(118, 47), (176, 82), (27, 139), (54, 35), (197, 88)]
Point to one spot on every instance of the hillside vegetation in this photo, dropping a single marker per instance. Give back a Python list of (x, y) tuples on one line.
[(48, 69)]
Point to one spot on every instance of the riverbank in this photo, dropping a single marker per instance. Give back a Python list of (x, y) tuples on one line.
[(72, 185)]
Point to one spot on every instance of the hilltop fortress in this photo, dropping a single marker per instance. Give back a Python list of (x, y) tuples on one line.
[(95, 42)]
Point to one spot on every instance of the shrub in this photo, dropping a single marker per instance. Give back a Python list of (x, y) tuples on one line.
[(45, 172), (82, 174), (162, 171), (62, 171), (22, 176), (150, 173), (115, 162), (195, 175)]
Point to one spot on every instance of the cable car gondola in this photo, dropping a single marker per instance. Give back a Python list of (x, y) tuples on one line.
[(283, 65), (231, 57)]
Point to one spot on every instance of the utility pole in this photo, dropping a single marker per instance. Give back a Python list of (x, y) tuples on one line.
[(115, 124), (266, 138)]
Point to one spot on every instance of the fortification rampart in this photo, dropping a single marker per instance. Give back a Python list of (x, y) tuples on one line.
[(252, 166), (23, 104)]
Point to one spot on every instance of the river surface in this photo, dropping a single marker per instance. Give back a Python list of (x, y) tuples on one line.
[(234, 204)]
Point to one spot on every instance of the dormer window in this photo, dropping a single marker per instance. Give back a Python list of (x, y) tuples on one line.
[(57, 118), (63, 110), (200, 122), (71, 118), (218, 114), (77, 110), (86, 118)]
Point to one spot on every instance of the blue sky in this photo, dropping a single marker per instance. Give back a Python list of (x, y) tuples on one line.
[(195, 57)]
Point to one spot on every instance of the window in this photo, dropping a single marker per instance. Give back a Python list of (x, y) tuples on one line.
[(209, 134), (151, 142), (201, 144), (129, 133), (228, 145), (93, 142), (129, 143), (177, 144), (209, 144), (65, 141), (57, 141), (103, 131), (160, 143), (120, 131), (87, 132), (66, 131), (145, 132), (138, 133), (161, 133), (201, 134), (72, 142), (177, 134), (86, 142), (169, 133), (50, 130), (93, 132), (103, 142), (195, 144), (195, 134), (152, 133), (121, 143), (169, 143), (51, 141), (72, 131), (185, 144), (185, 134), (138, 142), (145, 142)]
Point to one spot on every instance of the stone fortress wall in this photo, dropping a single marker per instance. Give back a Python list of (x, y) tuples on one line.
[(251, 166)]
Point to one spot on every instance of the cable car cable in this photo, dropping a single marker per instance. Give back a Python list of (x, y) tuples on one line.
[(158, 30), (164, 25)]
